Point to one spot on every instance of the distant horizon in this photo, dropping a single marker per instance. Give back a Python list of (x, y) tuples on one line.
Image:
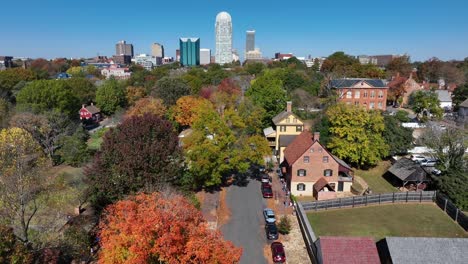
[(419, 29)]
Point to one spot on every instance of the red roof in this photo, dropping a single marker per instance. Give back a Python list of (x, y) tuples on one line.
[(300, 144), (350, 250)]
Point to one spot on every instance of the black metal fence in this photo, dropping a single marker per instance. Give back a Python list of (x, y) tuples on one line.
[(449, 208), (355, 201)]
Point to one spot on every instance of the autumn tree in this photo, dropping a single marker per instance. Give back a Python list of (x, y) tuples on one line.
[(21, 160), (12, 250), (185, 112), (160, 228), (141, 153), (356, 134), (5, 112), (110, 96), (134, 93), (46, 95), (76, 71), (252, 116), (147, 105), (171, 89), (399, 65)]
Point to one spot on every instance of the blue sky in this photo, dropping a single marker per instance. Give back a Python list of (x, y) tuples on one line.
[(84, 28)]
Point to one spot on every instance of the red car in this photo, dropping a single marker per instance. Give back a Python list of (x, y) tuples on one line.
[(277, 252), (267, 191)]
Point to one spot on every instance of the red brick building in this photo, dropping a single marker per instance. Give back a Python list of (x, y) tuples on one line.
[(369, 93)]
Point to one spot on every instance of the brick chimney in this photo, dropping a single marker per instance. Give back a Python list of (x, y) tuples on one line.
[(316, 136), (289, 106)]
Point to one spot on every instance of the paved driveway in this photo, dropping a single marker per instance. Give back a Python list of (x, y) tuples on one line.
[(246, 225)]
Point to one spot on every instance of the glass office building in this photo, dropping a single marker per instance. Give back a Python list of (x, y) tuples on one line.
[(189, 51)]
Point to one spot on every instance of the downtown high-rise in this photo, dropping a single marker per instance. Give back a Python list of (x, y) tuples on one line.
[(122, 48), (189, 51), (223, 31), (250, 41)]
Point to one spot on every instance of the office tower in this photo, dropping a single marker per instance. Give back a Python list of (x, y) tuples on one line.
[(189, 51), (157, 50), (205, 56), (223, 31), (122, 48), (250, 41)]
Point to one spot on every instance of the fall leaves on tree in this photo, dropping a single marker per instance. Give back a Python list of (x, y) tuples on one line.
[(148, 228), (147, 105), (186, 110)]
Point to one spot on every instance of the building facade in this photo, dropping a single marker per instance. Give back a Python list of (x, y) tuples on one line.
[(223, 35), (122, 59), (157, 50), (205, 56), (369, 93), (116, 72), (249, 41), (189, 51), (146, 61), (253, 55), (122, 48)]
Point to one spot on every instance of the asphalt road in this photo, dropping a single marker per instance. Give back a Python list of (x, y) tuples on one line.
[(246, 225)]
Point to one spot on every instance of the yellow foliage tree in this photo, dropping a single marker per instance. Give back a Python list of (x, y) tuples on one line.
[(147, 105), (133, 94), (186, 110)]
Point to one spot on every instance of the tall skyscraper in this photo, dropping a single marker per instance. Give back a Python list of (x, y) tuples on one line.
[(223, 30), (189, 51), (157, 50), (250, 41), (122, 48)]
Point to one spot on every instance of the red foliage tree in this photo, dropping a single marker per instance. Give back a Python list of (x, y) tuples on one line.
[(148, 228), (141, 153)]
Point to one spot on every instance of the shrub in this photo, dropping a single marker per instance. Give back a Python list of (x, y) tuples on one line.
[(284, 225)]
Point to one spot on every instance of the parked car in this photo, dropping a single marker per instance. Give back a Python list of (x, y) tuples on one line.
[(417, 158), (267, 191), (261, 169), (271, 231), (277, 252), (436, 172), (428, 162), (265, 178), (269, 215)]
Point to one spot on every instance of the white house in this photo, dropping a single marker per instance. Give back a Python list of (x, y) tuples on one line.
[(445, 99)]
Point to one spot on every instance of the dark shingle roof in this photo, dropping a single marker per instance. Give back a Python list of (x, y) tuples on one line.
[(417, 250), (320, 184), (282, 116), (350, 82), (408, 170), (286, 140), (92, 109), (351, 250)]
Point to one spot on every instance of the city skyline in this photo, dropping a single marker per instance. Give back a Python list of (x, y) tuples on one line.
[(421, 29)]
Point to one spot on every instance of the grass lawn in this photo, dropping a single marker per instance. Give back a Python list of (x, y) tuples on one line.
[(95, 141), (374, 178), (417, 220)]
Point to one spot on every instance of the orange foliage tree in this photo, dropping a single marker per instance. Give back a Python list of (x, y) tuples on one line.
[(133, 93), (147, 105), (185, 112), (160, 227)]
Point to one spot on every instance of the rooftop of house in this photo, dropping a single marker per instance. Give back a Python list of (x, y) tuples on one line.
[(464, 104), (92, 109), (408, 170), (350, 82), (320, 184), (350, 250), (444, 95), (427, 249)]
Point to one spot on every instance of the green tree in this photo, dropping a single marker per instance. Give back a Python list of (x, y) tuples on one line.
[(356, 134), (82, 88), (267, 92), (76, 71), (110, 96), (402, 116), (254, 68), (9, 78), (460, 95), (401, 65), (398, 138), (284, 225), (425, 102), (170, 89), (454, 183), (48, 95), (252, 115), (340, 64), (74, 150), (5, 109)]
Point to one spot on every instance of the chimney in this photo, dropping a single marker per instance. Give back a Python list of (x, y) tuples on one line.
[(316, 136), (289, 106), (92, 103), (83, 106)]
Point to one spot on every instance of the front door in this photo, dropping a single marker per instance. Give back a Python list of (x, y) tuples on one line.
[(340, 186)]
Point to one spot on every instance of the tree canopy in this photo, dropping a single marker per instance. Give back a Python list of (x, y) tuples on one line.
[(110, 96), (425, 103), (170, 89), (147, 105), (398, 138)]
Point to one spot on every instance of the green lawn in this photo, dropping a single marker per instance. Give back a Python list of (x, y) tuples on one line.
[(418, 220), (374, 178), (95, 141)]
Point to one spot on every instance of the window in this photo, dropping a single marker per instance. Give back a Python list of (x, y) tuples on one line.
[(328, 173), (325, 159), (372, 94), (306, 159), (298, 128), (379, 105), (311, 150), (365, 94), (357, 94), (380, 94), (371, 105), (319, 149), (301, 187), (301, 172), (349, 94), (282, 128)]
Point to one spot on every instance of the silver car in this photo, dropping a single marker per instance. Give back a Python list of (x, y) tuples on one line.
[(269, 215)]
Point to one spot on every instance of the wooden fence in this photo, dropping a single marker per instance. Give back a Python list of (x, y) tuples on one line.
[(449, 208)]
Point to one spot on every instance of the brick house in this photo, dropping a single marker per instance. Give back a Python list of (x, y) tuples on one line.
[(402, 87), (370, 93), (308, 165), (90, 113)]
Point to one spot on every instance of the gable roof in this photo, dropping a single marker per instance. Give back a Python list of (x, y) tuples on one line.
[(348, 250), (465, 103), (427, 249), (282, 116), (443, 95), (408, 170), (298, 146), (285, 140), (320, 184), (340, 161), (350, 82), (92, 109)]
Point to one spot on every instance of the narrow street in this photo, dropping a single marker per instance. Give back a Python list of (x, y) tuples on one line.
[(245, 227)]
